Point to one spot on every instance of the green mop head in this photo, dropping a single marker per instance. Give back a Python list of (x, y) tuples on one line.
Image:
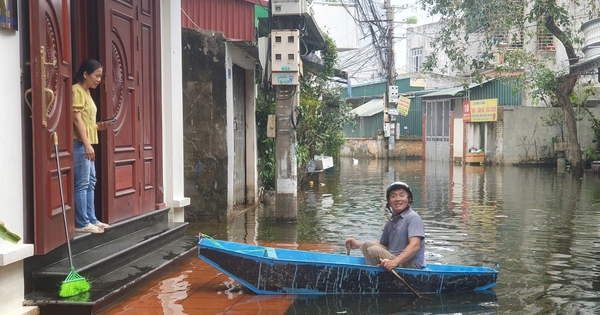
[(73, 285)]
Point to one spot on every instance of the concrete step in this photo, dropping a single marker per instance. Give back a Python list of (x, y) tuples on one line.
[(128, 254), (99, 260), (118, 282)]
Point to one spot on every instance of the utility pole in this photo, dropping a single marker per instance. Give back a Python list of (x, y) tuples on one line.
[(286, 174), (391, 91), (285, 76)]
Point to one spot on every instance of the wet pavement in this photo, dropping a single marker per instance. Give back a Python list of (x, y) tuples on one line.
[(195, 287), (540, 226)]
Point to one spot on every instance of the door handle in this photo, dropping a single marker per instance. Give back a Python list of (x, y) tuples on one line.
[(45, 105), (27, 92)]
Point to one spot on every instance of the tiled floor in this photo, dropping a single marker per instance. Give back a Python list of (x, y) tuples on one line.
[(196, 288)]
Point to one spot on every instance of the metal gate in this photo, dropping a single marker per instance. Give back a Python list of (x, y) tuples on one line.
[(437, 136)]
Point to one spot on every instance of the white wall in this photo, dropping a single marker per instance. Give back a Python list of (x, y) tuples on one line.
[(11, 172), (172, 103)]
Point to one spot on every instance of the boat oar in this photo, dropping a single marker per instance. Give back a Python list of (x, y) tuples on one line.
[(405, 283)]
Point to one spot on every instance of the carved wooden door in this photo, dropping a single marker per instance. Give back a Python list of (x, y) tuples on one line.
[(130, 55), (50, 100)]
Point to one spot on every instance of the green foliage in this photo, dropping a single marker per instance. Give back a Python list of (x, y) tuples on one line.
[(324, 114), (411, 20), (555, 118), (590, 155), (265, 106), (7, 235)]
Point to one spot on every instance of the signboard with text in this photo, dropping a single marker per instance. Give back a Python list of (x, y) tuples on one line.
[(480, 110), (403, 105)]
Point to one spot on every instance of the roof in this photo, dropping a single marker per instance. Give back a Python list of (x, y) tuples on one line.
[(369, 108), (586, 64), (453, 91)]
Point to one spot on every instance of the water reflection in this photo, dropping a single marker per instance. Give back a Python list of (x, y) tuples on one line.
[(542, 227), (465, 303)]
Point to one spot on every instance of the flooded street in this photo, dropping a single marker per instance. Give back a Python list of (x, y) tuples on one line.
[(540, 228)]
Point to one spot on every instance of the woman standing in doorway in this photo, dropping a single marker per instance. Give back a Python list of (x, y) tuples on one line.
[(85, 134)]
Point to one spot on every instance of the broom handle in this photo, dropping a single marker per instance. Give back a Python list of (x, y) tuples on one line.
[(62, 197)]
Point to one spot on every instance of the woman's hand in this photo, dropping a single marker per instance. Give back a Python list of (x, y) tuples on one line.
[(90, 154), (103, 125)]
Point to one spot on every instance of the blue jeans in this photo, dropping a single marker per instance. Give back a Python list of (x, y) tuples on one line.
[(85, 183)]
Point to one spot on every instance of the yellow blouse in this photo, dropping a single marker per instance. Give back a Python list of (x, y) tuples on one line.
[(83, 102)]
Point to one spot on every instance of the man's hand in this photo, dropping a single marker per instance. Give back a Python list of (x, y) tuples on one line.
[(389, 265), (351, 243)]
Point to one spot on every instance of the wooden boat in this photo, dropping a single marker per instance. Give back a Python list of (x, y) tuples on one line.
[(267, 270)]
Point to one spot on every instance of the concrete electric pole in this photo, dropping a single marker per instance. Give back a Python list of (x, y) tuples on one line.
[(391, 91), (285, 75)]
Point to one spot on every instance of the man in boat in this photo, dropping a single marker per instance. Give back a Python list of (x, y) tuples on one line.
[(402, 243)]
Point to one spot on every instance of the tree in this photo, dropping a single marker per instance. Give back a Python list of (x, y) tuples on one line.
[(475, 32)]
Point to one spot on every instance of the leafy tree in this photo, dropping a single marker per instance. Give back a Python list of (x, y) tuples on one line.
[(472, 31), (320, 128)]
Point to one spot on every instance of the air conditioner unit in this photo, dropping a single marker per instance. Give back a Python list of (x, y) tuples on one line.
[(291, 7)]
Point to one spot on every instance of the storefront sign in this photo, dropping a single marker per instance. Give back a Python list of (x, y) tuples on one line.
[(480, 110), (403, 105)]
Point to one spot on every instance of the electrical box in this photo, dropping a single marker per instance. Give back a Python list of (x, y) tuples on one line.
[(271, 126), (386, 130), (290, 7), (393, 94), (285, 57)]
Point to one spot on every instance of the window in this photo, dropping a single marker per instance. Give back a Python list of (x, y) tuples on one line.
[(415, 60), (512, 40), (545, 40)]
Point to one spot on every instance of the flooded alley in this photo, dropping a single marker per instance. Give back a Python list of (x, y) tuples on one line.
[(539, 227)]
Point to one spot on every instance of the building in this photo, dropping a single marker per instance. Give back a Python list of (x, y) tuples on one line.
[(139, 162)]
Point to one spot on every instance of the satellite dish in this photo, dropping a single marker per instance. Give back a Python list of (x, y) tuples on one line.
[(311, 166)]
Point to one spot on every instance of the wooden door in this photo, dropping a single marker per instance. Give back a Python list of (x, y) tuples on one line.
[(50, 97), (130, 55)]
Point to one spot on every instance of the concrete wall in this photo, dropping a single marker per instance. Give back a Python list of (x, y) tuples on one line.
[(377, 149), (205, 125), (12, 172), (524, 138)]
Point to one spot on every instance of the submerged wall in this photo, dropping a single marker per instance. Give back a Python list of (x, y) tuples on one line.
[(377, 149), (204, 125)]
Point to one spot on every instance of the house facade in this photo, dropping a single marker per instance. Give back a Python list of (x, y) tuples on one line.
[(139, 162), (220, 55), (529, 140)]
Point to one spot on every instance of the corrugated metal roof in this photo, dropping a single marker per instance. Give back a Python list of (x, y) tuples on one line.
[(453, 91), (235, 18), (369, 108)]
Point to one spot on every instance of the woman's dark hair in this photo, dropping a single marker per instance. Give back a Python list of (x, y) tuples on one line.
[(88, 66)]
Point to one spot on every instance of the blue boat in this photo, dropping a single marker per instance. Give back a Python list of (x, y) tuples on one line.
[(268, 270)]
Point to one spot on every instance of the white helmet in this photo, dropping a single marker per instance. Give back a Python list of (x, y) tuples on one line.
[(399, 185)]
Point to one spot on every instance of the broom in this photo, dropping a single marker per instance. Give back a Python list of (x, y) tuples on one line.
[(74, 284)]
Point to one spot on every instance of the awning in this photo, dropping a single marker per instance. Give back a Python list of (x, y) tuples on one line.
[(248, 47), (585, 65), (453, 91), (369, 108)]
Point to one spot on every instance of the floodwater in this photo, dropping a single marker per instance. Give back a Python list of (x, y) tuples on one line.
[(540, 228)]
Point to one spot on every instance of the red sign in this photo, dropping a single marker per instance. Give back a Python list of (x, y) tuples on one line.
[(466, 111)]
